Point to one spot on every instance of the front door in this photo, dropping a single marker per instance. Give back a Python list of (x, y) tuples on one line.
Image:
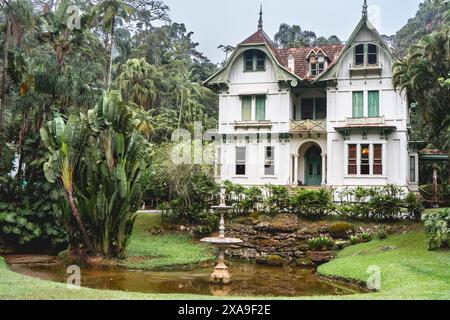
[(313, 167)]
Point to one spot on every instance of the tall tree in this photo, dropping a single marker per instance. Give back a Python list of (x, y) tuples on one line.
[(421, 73), (112, 12)]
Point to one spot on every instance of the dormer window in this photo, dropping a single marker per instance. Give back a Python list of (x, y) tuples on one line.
[(317, 68), (317, 64), (360, 54), (254, 60), (372, 54)]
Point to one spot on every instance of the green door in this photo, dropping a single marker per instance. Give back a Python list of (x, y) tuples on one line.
[(313, 167)]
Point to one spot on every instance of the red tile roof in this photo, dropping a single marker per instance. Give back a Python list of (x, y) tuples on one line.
[(300, 55)]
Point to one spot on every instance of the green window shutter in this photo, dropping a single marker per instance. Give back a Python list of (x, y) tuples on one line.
[(374, 104), (358, 104), (261, 108), (246, 108)]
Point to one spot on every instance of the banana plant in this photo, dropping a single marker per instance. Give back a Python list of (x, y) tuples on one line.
[(101, 160), (114, 173), (65, 142)]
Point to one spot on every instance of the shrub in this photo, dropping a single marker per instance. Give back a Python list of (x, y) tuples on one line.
[(380, 203), (365, 236), (320, 243), (341, 230), (437, 229), (381, 233), (277, 199), (311, 203), (355, 239), (250, 200)]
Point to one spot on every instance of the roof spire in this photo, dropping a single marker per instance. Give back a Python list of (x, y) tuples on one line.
[(365, 6), (260, 22)]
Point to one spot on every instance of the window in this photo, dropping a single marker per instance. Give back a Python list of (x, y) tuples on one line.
[(365, 159), (246, 108), (378, 159), (241, 161), (313, 69), (260, 61), (374, 104), (320, 108), (260, 108), (311, 109), (352, 159), (359, 55), (254, 60), (248, 60), (372, 54), (317, 68), (308, 109), (358, 104), (412, 169), (269, 164), (369, 155)]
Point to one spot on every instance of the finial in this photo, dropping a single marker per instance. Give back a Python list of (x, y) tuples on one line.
[(365, 6), (260, 22)]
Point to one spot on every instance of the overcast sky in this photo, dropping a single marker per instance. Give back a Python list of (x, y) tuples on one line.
[(216, 22)]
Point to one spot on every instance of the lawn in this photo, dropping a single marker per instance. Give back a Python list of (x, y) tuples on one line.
[(147, 251), (408, 270)]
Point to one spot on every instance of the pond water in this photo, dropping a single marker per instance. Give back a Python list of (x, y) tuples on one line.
[(248, 280)]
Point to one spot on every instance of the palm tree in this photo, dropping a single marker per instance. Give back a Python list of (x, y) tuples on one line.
[(420, 73), (136, 80), (112, 12)]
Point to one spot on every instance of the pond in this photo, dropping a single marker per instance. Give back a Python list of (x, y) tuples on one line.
[(248, 280)]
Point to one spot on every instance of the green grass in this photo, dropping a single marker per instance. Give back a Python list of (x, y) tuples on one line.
[(408, 271), (147, 251)]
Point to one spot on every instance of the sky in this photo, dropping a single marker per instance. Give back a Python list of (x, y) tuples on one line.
[(216, 22)]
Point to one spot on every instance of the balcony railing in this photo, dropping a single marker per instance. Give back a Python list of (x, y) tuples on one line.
[(253, 124), (365, 121), (366, 68), (308, 126)]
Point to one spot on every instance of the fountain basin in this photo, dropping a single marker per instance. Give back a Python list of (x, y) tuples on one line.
[(221, 241)]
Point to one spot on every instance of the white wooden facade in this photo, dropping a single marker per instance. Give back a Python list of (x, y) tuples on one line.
[(290, 139)]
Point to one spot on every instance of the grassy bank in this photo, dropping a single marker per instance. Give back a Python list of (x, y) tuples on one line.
[(147, 251), (408, 270)]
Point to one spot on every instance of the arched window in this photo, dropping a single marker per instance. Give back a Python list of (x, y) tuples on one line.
[(359, 55), (254, 60), (372, 54), (366, 54)]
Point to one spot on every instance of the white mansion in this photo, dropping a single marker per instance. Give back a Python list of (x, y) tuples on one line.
[(313, 116)]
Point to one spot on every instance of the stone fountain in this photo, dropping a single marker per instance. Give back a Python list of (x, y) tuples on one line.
[(221, 274)]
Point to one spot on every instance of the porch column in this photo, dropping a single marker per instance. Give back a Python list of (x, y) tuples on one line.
[(324, 169), (296, 170)]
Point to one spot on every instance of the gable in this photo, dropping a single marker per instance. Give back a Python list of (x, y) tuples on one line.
[(365, 32)]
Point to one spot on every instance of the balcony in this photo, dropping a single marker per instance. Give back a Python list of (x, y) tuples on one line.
[(308, 126), (364, 122), (366, 69), (253, 124)]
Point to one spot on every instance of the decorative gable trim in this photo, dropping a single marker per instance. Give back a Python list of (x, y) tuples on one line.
[(331, 72)]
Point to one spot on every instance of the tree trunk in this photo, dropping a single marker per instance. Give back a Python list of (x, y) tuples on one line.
[(22, 138), (111, 52), (77, 217), (3, 87)]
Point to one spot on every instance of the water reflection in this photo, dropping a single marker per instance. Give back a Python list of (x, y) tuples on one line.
[(248, 280)]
